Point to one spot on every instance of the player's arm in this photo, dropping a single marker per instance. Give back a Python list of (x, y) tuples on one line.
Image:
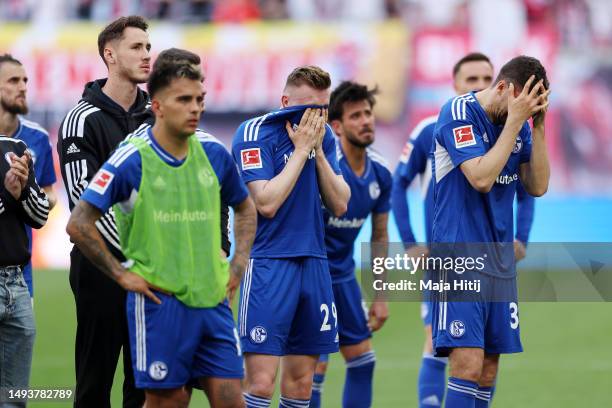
[(412, 162), (535, 174), (112, 185), (269, 195), (30, 201), (78, 158), (379, 310), (245, 225), (83, 232), (482, 171), (525, 206), (47, 172), (335, 192), (234, 193)]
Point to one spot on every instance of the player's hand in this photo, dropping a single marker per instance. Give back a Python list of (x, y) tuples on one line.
[(538, 118), (520, 252), (377, 315), (305, 136), (236, 273), (136, 283), (527, 103), (322, 129), (16, 178)]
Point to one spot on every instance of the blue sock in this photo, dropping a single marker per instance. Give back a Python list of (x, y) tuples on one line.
[(317, 390), (358, 383), (432, 381), (293, 403), (484, 395), (460, 393), (253, 401)]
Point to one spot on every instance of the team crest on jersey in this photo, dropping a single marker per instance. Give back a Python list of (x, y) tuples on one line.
[(158, 370), (464, 136), (456, 328), (518, 146), (406, 152), (205, 178), (101, 181), (258, 334), (251, 158), (374, 190)]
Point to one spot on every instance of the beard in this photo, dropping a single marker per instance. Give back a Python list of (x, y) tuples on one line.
[(352, 139), (14, 108)]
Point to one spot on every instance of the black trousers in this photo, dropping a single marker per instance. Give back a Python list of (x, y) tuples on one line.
[(101, 333)]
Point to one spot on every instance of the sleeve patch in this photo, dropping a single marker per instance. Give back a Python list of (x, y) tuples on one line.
[(464, 136), (251, 158), (406, 152), (101, 181)]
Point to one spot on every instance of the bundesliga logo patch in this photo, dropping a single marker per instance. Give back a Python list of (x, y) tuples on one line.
[(251, 159), (406, 152), (101, 181), (464, 136)]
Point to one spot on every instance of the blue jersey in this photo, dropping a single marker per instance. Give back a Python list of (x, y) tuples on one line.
[(261, 149), (125, 168), (37, 140), (370, 193), (462, 214), (415, 160)]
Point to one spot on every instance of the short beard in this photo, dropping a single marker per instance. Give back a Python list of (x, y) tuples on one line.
[(14, 108), (353, 140)]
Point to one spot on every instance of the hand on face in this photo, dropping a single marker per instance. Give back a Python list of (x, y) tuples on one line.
[(528, 103), (309, 132)]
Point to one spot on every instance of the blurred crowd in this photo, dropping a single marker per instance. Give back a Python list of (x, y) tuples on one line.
[(578, 21)]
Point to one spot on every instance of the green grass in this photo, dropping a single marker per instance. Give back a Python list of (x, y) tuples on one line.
[(567, 360)]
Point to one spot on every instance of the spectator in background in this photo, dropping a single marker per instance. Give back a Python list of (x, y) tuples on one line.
[(235, 11)]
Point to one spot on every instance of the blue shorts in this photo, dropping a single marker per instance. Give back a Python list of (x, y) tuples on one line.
[(287, 307), (352, 313), (492, 326), (173, 344)]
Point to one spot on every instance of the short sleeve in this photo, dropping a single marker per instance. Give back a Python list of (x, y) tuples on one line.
[(115, 180), (525, 136), (45, 172), (233, 190), (383, 204), (253, 153), (329, 148), (462, 141)]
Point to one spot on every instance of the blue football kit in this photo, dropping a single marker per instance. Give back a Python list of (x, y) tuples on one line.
[(415, 160), (462, 215), (173, 344), (286, 299), (37, 140), (370, 193)]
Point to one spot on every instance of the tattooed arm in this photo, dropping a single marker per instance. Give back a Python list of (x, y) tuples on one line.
[(83, 232)]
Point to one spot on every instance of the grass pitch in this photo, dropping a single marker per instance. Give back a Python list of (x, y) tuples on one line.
[(567, 360)]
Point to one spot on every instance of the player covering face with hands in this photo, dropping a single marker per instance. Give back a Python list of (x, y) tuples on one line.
[(482, 147)]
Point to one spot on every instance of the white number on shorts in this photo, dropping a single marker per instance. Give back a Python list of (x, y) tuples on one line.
[(324, 309), (335, 314), (514, 320)]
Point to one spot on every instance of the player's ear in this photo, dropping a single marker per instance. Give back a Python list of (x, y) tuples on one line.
[(156, 107), (109, 55), (336, 126), (284, 101)]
